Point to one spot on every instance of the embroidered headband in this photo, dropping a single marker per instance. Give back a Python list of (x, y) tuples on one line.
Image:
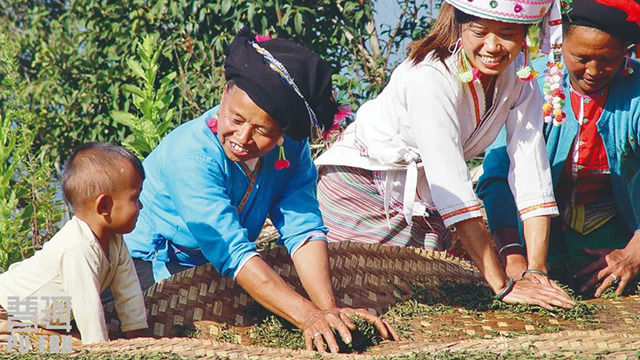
[(275, 65), (288, 81), (512, 11)]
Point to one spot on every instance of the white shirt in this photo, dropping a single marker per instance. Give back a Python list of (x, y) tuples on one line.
[(73, 264), (426, 123)]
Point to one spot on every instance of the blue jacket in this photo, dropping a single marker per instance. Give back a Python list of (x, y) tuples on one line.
[(191, 196), (619, 126)]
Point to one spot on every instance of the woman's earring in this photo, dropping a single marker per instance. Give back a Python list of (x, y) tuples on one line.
[(627, 70), (282, 162), (467, 73), (455, 47), (525, 73)]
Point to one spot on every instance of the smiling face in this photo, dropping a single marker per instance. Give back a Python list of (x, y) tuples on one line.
[(592, 58), (245, 130), (492, 45)]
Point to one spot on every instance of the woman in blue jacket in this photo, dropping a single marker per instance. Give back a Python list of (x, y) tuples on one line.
[(212, 182), (594, 155)]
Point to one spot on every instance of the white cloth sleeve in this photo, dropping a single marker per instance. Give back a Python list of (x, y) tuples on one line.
[(79, 267), (126, 289), (432, 111), (529, 173)]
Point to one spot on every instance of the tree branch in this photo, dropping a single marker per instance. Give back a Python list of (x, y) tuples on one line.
[(278, 13), (374, 41), (394, 33)]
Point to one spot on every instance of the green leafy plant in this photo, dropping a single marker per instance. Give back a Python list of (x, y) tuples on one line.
[(75, 55), (27, 207), (152, 103), (226, 334), (363, 337), (277, 333)]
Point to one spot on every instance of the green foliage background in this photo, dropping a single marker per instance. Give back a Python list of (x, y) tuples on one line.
[(129, 71), (28, 210), (74, 55)]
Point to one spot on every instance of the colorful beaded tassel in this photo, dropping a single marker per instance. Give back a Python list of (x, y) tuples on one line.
[(553, 94), (468, 73), (525, 72)]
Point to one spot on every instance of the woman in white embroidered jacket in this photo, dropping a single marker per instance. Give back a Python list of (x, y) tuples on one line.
[(398, 175)]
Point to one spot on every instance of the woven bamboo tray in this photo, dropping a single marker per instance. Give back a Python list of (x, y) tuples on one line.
[(611, 345), (373, 277), (363, 276)]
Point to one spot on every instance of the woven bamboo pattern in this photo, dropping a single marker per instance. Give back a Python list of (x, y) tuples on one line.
[(373, 277), (616, 345), (369, 276)]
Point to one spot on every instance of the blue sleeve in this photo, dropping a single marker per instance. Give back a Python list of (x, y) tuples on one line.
[(493, 186), (202, 202), (296, 214)]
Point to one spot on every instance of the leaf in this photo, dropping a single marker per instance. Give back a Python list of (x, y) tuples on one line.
[(124, 118), (137, 69), (251, 11), (287, 15), (297, 21), (226, 5), (132, 89), (350, 6)]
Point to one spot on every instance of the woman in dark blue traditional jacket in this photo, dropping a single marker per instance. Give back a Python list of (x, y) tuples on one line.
[(594, 151)]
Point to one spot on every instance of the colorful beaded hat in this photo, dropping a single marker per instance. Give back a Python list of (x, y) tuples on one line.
[(513, 11), (548, 12)]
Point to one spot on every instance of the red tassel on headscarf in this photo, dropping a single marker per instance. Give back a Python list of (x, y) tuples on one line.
[(630, 7)]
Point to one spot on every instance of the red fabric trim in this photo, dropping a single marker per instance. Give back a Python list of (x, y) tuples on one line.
[(461, 211), (476, 101), (536, 207), (252, 182)]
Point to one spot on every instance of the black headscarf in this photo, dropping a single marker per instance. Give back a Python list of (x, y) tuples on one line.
[(251, 73), (611, 20)]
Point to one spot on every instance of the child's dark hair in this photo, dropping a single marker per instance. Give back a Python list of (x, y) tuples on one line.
[(93, 170)]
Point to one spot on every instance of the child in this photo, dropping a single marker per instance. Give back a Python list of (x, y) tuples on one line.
[(102, 183)]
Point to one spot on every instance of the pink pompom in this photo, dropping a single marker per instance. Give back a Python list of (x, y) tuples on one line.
[(212, 123), (343, 113), (263, 38), (476, 74)]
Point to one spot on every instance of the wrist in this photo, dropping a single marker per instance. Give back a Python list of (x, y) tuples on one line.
[(326, 304), (506, 289), (306, 315), (513, 254), (541, 266), (514, 265), (497, 283)]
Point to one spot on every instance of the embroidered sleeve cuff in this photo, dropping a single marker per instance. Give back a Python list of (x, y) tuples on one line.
[(542, 208), (314, 236), (463, 212)]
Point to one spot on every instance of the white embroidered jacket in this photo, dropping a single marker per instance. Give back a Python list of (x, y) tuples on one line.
[(426, 123)]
